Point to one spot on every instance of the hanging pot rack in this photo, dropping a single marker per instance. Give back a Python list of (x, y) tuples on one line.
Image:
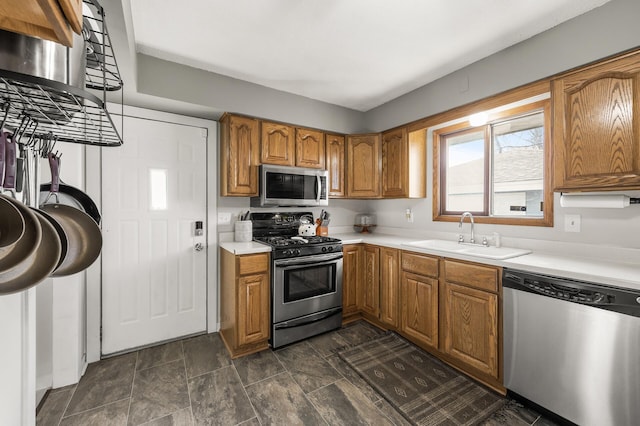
[(71, 114)]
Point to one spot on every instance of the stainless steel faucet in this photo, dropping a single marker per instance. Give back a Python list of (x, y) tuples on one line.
[(470, 216)]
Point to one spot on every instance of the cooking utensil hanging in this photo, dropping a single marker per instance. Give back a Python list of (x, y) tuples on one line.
[(83, 233), (39, 265), (69, 195)]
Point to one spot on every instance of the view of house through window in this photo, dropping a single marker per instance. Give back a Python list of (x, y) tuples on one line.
[(496, 169)]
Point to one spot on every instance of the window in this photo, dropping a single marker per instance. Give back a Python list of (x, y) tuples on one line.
[(498, 171)]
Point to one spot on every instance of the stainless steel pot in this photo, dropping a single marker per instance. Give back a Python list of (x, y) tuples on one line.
[(44, 58)]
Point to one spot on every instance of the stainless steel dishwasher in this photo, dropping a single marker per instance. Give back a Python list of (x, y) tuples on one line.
[(573, 347)]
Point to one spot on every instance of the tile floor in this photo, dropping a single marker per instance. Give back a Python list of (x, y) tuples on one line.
[(194, 381)]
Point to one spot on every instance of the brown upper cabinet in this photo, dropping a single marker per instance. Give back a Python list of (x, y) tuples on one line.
[(54, 20), (404, 164), (363, 166), (335, 153), (278, 145), (310, 148), (287, 145), (239, 155), (597, 127)]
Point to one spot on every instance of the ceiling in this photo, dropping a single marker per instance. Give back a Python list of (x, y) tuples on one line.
[(357, 54)]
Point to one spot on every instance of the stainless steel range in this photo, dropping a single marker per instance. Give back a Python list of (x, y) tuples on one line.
[(306, 278)]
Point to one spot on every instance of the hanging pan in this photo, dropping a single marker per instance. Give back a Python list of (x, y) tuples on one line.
[(12, 223), (62, 193), (62, 236), (83, 233), (40, 264), (83, 236), (20, 252)]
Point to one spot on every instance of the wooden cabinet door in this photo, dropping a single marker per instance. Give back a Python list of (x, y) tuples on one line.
[(363, 166), (419, 298), (38, 18), (335, 149), (309, 148), (351, 267), (389, 286), (369, 291), (471, 327), (253, 308), (395, 163), (277, 144), (239, 152), (597, 127)]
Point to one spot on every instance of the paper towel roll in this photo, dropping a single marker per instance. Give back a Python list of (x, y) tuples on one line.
[(609, 201)]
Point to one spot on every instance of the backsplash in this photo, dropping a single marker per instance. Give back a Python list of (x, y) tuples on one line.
[(605, 227)]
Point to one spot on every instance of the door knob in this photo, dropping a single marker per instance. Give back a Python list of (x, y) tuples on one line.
[(199, 247)]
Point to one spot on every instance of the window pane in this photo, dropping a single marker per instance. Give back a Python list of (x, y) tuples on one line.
[(518, 165), (465, 172)]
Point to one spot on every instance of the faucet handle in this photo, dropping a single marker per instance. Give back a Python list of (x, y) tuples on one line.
[(485, 242), (460, 238)]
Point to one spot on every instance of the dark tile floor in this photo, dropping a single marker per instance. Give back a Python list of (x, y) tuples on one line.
[(194, 381)]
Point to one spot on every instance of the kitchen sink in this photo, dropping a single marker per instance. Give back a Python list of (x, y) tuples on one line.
[(494, 252), (498, 253), (443, 245)]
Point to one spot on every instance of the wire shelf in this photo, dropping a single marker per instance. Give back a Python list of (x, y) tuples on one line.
[(71, 114), (102, 68)]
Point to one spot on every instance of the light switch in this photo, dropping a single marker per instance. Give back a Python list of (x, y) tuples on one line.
[(224, 218)]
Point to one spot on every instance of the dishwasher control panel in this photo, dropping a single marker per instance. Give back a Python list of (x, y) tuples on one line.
[(622, 300), (572, 294)]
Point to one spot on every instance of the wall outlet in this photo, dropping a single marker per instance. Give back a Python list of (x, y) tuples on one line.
[(409, 215), (571, 223), (224, 218)]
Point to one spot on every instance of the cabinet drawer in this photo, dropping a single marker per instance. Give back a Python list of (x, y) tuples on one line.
[(472, 275), (420, 264), (252, 264)]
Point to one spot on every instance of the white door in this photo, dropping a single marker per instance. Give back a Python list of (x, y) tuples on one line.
[(153, 263)]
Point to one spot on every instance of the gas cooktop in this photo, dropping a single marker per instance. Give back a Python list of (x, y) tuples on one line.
[(280, 231)]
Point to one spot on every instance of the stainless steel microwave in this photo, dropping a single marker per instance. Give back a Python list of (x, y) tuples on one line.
[(291, 186)]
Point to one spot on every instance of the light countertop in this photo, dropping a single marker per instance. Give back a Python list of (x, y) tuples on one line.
[(621, 271), (244, 248)]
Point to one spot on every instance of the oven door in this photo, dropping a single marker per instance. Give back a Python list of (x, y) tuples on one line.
[(306, 285)]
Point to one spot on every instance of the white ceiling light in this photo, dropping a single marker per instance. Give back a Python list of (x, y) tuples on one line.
[(478, 119)]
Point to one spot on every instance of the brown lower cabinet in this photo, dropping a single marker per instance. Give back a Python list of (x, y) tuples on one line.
[(471, 316), (244, 302), (419, 298), (369, 288), (450, 308), (378, 287), (351, 272)]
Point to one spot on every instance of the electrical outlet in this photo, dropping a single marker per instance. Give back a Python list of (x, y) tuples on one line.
[(409, 215), (571, 223), (224, 218)]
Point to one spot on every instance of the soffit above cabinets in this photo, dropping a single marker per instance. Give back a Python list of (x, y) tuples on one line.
[(358, 53)]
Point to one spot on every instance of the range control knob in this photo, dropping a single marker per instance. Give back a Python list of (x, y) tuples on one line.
[(297, 252), (330, 248), (324, 249)]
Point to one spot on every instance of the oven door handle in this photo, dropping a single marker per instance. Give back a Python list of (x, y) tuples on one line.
[(298, 322), (316, 260)]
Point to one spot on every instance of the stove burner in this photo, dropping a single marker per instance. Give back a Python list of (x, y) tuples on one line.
[(282, 241)]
